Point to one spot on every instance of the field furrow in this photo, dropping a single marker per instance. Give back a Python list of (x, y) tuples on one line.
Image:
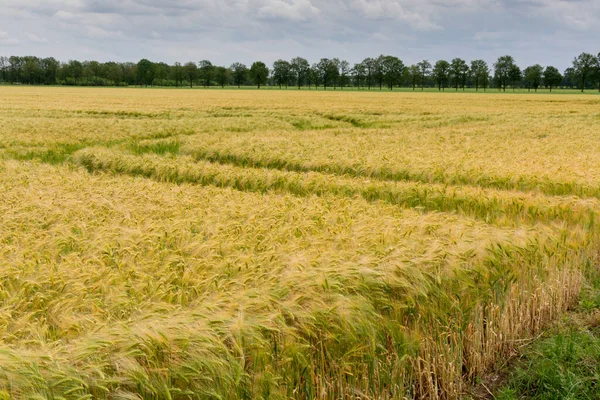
[(491, 206), (388, 157)]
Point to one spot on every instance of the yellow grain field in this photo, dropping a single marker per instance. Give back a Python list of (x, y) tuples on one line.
[(200, 244)]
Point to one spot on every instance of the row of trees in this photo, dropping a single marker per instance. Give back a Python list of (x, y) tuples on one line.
[(383, 71)]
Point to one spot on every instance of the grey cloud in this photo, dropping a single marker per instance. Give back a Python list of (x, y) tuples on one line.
[(246, 30)]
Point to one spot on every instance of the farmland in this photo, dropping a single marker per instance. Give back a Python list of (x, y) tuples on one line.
[(193, 244)]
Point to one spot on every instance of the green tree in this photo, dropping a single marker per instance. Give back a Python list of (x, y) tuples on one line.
[(552, 77), (93, 69), (424, 70), (370, 65), (4, 68), (392, 70), (206, 71), (464, 76), (480, 73), (328, 71), (300, 69), (345, 72), (414, 74), (458, 71), (76, 69), (259, 73), (406, 77), (378, 72), (281, 72), (598, 70), (570, 78), (515, 76), (15, 67), (441, 71), (145, 72), (312, 76), (31, 70), (114, 72), (240, 73), (161, 73), (334, 71), (533, 76), (222, 75), (191, 72), (129, 73), (49, 70), (178, 73), (502, 71), (584, 65), (359, 72)]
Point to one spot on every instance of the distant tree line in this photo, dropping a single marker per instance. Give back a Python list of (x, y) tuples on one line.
[(382, 72)]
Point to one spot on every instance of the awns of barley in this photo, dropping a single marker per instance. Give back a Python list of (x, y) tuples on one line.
[(387, 157), (333, 246), (489, 205), (478, 322)]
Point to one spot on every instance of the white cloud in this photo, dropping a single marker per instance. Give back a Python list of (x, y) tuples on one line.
[(65, 16), (294, 10), (395, 9), (574, 14), (35, 38), (419, 14), (487, 36), (380, 37), (6, 40), (101, 33)]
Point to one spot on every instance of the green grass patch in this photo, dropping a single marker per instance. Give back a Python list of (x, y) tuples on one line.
[(566, 363), (169, 133), (565, 366), (355, 122), (161, 147), (124, 114), (302, 124), (57, 154)]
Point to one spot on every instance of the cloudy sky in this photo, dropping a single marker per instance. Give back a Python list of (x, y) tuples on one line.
[(224, 31)]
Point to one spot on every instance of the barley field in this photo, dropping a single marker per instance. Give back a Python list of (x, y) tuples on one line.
[(207, 244)]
